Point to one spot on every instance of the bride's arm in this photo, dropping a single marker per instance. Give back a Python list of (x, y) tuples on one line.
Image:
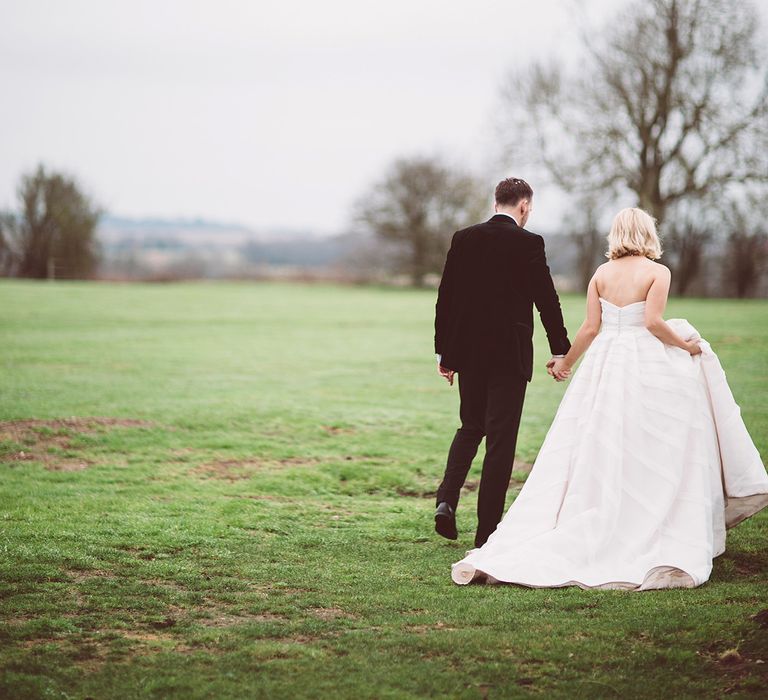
[(655, 303), (585, 335)]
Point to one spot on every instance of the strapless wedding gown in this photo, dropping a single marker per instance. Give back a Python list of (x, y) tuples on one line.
[(645, 466)]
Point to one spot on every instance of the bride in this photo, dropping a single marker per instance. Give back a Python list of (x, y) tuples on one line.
[(647, 461)]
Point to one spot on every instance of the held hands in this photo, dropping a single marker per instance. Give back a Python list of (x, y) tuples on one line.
[(447, 373), (558, 369)]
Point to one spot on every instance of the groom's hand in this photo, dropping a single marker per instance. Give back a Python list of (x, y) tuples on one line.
[(561, 370), (447, 373), (558, 369), (550, 365)]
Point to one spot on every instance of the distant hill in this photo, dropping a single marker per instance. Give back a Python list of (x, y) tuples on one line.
[(114, 229), (190, 248), (153, 247)]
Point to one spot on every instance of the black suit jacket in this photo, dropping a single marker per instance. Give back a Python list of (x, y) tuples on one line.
[(494, 274)]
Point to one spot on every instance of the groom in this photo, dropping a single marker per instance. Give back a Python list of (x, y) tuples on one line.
[(494, 273)]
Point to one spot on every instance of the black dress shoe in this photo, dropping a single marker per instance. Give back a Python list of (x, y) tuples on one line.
[(445, 521)]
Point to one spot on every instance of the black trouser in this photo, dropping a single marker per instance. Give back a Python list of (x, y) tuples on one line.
[(491, 406)]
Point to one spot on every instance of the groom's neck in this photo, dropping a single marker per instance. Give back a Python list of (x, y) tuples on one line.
[(509, 212)]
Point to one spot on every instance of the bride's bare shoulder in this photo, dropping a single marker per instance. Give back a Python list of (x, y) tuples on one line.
[(602, 268), (659, 269)]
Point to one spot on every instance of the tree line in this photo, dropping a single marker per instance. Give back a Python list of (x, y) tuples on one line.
[(666, 109)]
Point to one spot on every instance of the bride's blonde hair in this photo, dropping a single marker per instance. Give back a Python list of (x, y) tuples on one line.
[(633, 232)]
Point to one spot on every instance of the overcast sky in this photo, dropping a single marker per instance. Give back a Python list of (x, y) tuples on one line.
[(271, 114)]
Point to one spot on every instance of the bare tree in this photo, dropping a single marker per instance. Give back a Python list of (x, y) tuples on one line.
[(746, 248), (694, 230), (589, 242), (53, 234), (669, 102), (7, 257), (415, 210), (686, 244)]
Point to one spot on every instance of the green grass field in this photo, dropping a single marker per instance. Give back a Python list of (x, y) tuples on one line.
[(226, 490)]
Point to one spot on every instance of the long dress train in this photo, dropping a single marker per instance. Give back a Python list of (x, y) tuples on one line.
[(645, 466)]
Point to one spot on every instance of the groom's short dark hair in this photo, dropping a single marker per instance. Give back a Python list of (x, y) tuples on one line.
[(512, 190)]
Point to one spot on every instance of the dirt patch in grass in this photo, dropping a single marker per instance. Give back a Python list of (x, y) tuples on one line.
[(93, 648), (22, 619), (414, 493), (335, 512), (140, 551), (91, 653), (332, 613), (334, 508), (738, 665), (288, 590), (237, 469), (747, 563), (261, 497), (234, 619), (147, 636), (148, 553), (38, 642), (51, 442), (301, 638), (168, 584), (83, 575), (90, 650), (421, 629), (760, 619), (337, 430), (75, 424), (142, 644)]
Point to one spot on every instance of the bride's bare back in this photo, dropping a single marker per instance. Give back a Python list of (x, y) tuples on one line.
[(626, 280)]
